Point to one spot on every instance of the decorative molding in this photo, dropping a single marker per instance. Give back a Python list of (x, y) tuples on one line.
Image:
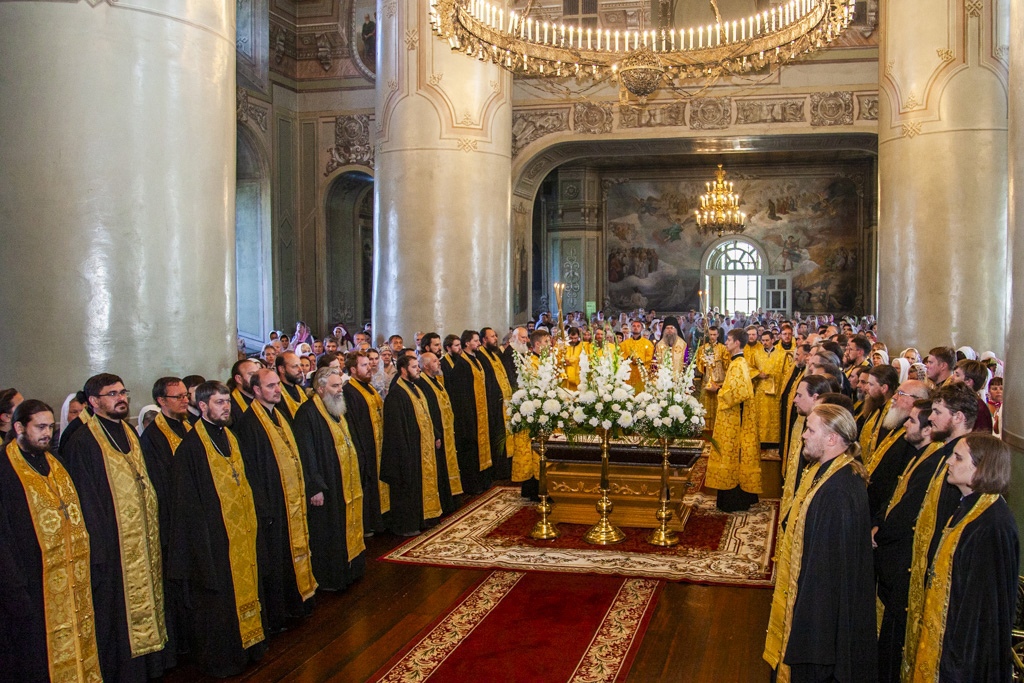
[(832, 108), (592, 118), (246, 111), (775, 110), (911, 129), (911, 102), (531, 125), (973, 8), (412, 38), (867, 107), (652, 116), (435, 78), (945, 54), (1002, 52), (389, 9), (467, 145), (710, 113), (351, 143)]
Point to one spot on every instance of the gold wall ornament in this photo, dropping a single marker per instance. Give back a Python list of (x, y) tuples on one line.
[(720, 207), (530, 47)]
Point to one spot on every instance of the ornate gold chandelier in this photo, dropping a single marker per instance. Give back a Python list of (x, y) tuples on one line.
[(720, 207), (639, 60)]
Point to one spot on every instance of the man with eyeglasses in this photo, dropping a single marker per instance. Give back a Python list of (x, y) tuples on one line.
[(105, 459)]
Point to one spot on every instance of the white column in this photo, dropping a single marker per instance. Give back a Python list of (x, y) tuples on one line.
[(1013, 412), (117, 192), (442, 191)]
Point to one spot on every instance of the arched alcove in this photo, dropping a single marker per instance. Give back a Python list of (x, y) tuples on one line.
[(348, 210), (253, 273), (733, 272)]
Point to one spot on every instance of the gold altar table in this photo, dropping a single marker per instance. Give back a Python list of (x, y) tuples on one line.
[(634, 475)]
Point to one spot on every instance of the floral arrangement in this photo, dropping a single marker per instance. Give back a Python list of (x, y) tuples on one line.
[(540, 405), (605, 399), (669, 408)]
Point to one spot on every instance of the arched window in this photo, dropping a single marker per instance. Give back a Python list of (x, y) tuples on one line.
[(733, 273)]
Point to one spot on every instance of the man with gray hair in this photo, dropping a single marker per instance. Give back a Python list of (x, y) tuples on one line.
[(333, 488)]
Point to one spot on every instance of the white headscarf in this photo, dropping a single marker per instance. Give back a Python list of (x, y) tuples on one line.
[(149, 408), (903, 365), (969, 353), (64, 412)]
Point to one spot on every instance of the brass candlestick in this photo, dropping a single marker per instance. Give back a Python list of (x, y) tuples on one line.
[(604, 532), (559, 292), (543, 530), (663, 536)]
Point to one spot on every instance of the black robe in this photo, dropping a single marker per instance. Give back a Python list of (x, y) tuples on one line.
[(982, 597), (295, 393), (401, 465), (833, 627), (788, 410), (73, 426), (444, 486), (198, 562), (500, 460), (458, 381), (360, 427), (23, 643), (277, 572), (156, 451), (83, 459), (895, 553), (508, 360), (236, 412), (328, 544), (887, 473)]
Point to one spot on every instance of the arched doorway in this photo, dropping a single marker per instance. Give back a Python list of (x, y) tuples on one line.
[(733, 275), (349, 222), (253, 282)]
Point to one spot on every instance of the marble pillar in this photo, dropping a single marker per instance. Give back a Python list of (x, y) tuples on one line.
[(117, 193), (1013, 383), (442, 188), (942, 160)]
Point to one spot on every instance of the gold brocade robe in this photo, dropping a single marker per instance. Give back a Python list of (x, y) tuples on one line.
[(766, 400), (719, 361), (56, 515), (291, 404), (444, 403), (870, 431), (678, 353), (736, 459), (571, 355), (779, 366), (375, 406), (641, 352)]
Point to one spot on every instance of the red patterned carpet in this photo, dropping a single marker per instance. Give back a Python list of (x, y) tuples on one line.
[(535, 626), (491, 533)]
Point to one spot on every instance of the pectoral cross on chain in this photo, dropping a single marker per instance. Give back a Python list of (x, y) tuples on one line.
[(64, 509), (234, 475)]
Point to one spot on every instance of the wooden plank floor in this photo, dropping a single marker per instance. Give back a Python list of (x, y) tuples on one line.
[(697, 633)]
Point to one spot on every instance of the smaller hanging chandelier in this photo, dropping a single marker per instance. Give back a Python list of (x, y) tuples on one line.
[(720, 208)]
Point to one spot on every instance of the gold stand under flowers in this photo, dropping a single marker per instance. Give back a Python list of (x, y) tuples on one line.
[(543, 530), (663, 536), (604, 532)]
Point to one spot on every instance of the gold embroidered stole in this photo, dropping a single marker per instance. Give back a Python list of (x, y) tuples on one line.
[(286, 454), (138, 529), (499, 372), (924, 665), (904, 480), (872, 427), (375, 404), (883, 448), (290, 403), (483, 428), (64, 549), (787, 577), (428, 463), (172, 436), (787, 407), (238, 512), (352, 489), (239, 398), (448, 422), (796, 445), (924, 530)]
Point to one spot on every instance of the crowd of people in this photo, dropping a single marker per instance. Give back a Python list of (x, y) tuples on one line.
[(210, 524)]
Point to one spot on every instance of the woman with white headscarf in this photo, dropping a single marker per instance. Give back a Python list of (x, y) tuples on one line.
[(146, 415), (967, 352), (903, 366)]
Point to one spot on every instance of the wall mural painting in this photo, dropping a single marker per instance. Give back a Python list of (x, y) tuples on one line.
[(364, 17), (808, 224)]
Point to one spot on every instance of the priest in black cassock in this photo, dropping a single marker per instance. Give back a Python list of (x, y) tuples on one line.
[(105, 461), (409, 455), (893, 452), (333, 485), (159, 441), (274, 469), (43, 636), (498, 391), (212, 556), (467, 387), (241, 390), (518, 342), (364, 413), (289, 370), (822, 624), (449, 482)]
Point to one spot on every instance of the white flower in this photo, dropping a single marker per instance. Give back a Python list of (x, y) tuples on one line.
[(656, 422), (552, 394), (676, 413), (519, 396), (619, 394), (616, 407), (593, 422), (530, 419), (696, 420), (528, 408), (643, 397), (551, 406), (652, 410), (587, 397), (543, 419), (663, 403), (606, 397), (606, 424), (599, 406), (578, 415), (625, 420), (564, 414)]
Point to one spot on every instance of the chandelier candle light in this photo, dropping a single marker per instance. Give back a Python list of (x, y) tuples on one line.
[(639, 60), (720, 207)]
